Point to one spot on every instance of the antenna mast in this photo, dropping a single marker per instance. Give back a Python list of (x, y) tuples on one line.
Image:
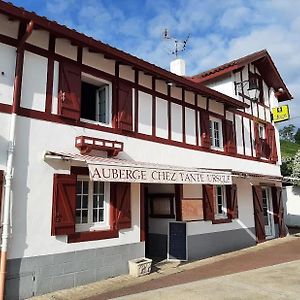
[(179, 45)]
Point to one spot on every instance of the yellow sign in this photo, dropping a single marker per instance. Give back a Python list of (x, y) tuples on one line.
[(281, 113)]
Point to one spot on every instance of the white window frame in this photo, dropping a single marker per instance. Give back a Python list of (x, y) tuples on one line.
[(224, 203), (212, 122), (90, 225), (101, 83)]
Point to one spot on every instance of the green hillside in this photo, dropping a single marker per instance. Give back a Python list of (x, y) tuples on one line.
[(288, 149)]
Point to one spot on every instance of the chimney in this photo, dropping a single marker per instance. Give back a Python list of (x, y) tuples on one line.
[(177, 66)]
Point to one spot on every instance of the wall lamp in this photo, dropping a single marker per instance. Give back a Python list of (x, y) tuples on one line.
[(248, 88)]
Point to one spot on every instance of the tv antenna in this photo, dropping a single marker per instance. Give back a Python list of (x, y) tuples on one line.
[(179, 45)]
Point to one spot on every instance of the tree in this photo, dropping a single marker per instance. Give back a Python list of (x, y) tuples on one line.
[(297, 136), (296, 168), (287, 133), (287, 166)]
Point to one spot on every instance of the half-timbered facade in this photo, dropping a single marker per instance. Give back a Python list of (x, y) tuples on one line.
[(101, 152)]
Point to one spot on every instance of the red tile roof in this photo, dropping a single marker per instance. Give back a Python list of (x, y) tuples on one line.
[(264, 64)]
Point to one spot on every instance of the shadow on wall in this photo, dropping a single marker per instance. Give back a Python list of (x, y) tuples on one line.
[(19, 205), (3, 149)]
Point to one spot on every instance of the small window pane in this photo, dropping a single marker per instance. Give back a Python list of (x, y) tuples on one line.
[(84, 216), (78, 201), (101, 215), (85, 201), (78, 187), (95, 201), (85, 187), (95, 215)]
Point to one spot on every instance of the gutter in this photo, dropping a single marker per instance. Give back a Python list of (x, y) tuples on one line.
[(10, 156)]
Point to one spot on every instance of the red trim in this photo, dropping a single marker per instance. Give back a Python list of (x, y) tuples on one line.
[(79, 170), (50, 73), (8, 40), (92, 236), (197, 121), (5, 108), (178, 198), (54, 118)]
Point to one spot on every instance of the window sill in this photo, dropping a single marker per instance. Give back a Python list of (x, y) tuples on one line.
[(217, 148), (221, 221), (86, 236), (95, 122)]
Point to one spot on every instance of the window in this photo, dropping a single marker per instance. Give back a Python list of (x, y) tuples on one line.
[(220, 202), (216, 139), (92, 202), (162, 205), (95, 100)]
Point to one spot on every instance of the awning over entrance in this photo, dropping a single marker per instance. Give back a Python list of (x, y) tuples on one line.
[(121, 170)]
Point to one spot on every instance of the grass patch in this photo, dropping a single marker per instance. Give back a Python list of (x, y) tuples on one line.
[(288, 149)]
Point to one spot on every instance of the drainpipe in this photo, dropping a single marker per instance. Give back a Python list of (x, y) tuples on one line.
[(11, 149)]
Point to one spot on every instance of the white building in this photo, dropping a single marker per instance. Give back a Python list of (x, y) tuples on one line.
[(106, 157)]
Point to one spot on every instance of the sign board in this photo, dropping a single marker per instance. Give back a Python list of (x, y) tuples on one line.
[(281, 113), (177, 243), (114, 173)]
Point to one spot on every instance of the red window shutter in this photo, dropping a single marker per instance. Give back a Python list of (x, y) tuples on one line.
[(64, 204), (257, 141), (121, 200), (208, 203), (278, 210), (232, 201), (271, 141), (229, 137), (258, 214), (1, 189), (69, 91), (125, 107), (204, 127)]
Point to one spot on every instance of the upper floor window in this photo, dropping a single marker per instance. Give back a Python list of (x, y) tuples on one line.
[(95, 100), (92, 204), (220, 202), (216, 137)]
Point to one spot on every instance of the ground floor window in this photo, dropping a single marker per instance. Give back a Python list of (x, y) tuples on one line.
[(220, 202), (92, 204), (268, 211)]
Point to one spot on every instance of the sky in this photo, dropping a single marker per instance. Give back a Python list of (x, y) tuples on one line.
[(220, 31)]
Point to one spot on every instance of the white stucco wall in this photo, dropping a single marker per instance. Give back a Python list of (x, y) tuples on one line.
[(161, 118), (8, 27), (7, 73), (224, 85), (97, 61), (176, 122), (190, 126), (65, 48), (145, 113), (39, 38), (33, 93), (291, 198)]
